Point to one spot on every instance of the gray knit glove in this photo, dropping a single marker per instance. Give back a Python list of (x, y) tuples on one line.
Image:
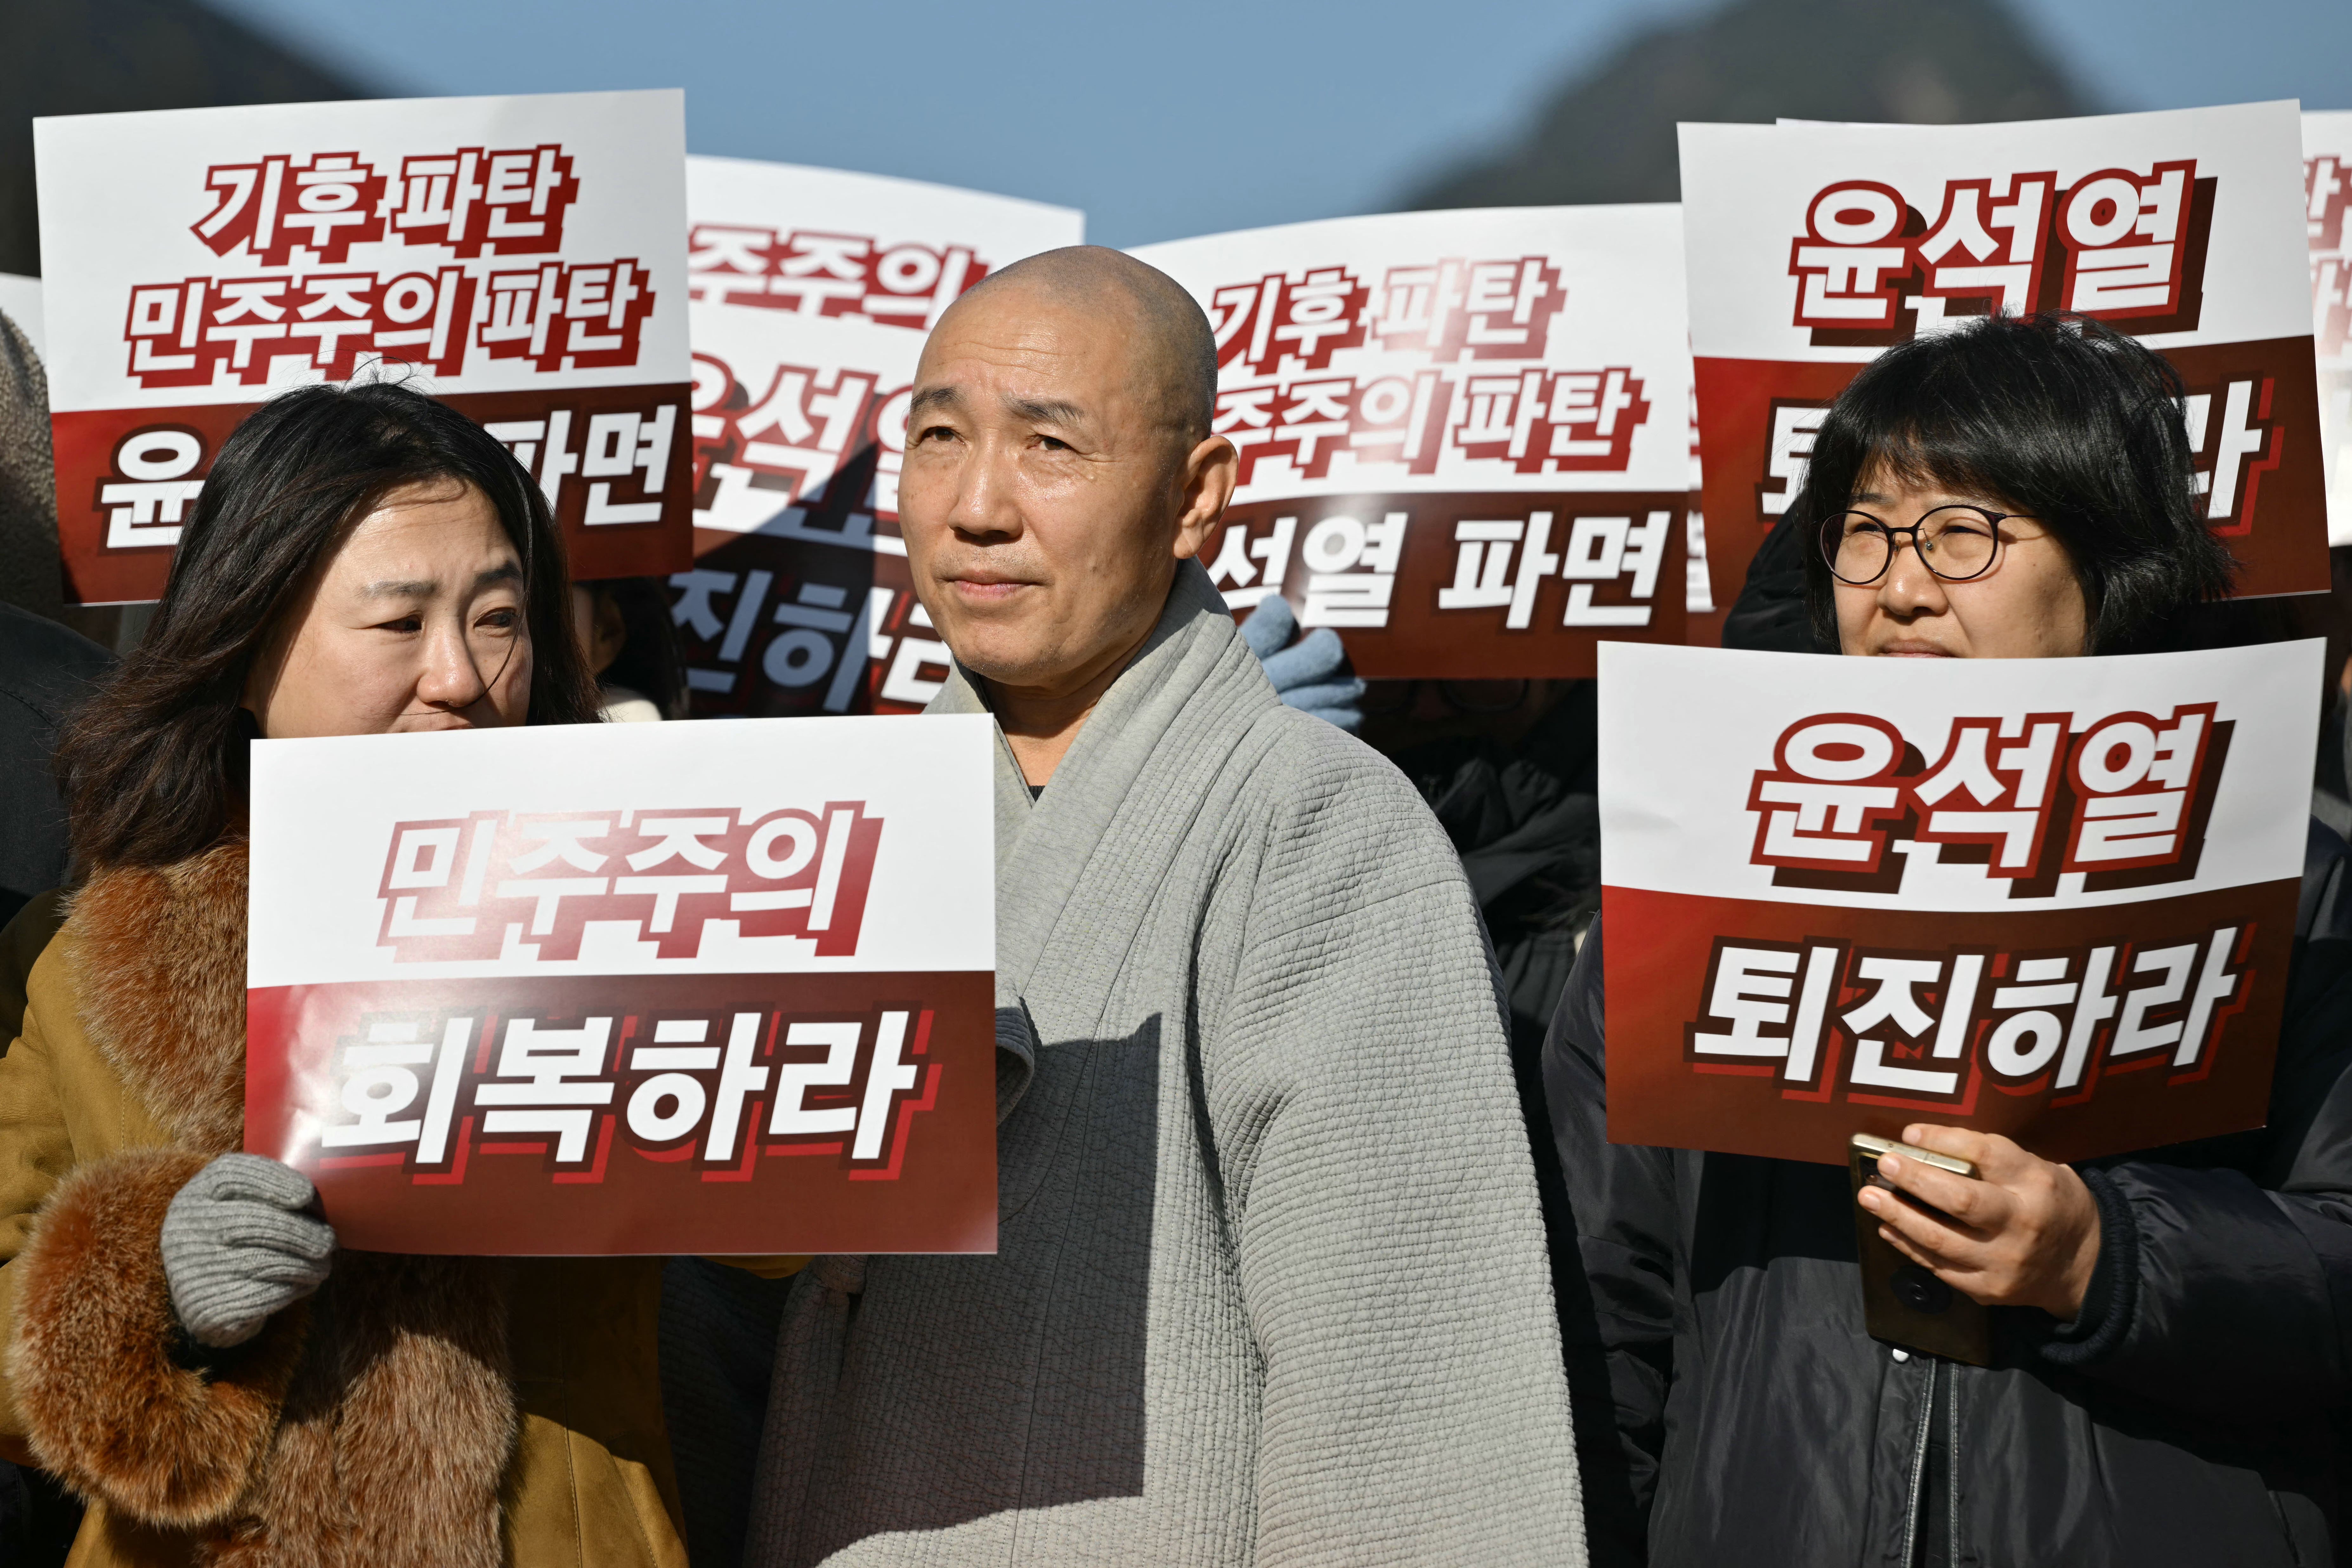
[(238, 1248)]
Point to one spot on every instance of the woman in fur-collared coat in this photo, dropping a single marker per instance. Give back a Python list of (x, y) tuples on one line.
[(361, 561)]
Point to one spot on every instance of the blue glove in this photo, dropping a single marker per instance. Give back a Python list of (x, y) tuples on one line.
[(1309, 676)]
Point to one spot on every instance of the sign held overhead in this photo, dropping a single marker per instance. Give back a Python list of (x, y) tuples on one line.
[(1814, 247), (519, 257), (813, 290), (1462, 435)]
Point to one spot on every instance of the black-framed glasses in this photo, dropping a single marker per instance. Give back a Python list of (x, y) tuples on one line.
[(1955, 543)]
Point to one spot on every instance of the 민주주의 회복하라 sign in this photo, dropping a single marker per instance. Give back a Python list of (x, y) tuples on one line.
[(2052, 899), (718, 988)]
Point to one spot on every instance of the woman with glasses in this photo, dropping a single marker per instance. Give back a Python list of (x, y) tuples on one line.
[(2017, 489), (2173, 1360)]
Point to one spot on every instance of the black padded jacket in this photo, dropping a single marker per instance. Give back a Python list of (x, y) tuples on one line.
[(1731, 1409)]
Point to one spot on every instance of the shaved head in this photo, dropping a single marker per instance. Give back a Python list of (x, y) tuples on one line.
[(1175, 354), (1058, 467)]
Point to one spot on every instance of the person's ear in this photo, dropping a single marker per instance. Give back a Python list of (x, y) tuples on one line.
[(1207, 480)]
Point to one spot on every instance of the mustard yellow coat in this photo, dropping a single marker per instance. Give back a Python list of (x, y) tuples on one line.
[(522, 1426)]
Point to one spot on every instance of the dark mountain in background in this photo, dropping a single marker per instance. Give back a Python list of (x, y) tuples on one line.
[(1609, 133), (93, 56)]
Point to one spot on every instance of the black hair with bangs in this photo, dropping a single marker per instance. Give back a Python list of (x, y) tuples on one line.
[(2053, 417), (153, 765)]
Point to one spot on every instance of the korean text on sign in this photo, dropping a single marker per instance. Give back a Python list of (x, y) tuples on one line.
[(511, 993), (1812, 248), (2051, 899), (516, 256), (812, 290), (1450, 431), (2328, 195)]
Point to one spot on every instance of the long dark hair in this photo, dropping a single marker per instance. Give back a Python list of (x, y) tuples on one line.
[(2056, 416), (154, 767)]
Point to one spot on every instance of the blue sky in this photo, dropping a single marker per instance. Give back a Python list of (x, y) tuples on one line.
[(1162, 121)]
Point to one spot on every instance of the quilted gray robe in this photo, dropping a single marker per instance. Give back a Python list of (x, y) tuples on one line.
[(1271, 1285)]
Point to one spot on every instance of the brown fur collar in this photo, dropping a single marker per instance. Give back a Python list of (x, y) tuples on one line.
[(159, 975), (377, 1439)]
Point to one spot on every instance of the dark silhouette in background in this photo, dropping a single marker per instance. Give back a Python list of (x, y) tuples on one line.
[(97, 57), (1607, 134)]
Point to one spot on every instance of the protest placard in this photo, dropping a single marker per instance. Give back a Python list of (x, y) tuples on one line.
[(1462, 434), (20, 301), (2052, 899), (826, 243), (1699, 591), (521, 258), (813, 291), (1813, 248), (2327, 190), (805, 603), (651, 988)]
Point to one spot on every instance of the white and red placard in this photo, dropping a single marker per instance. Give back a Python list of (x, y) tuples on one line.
[(813, 291), (521, 257), (1813, 248), (826, 242), (658, 988), (20, 301), (2327, 192), (1462, 434), (803, 604), (2052, 899), (1699, 591)]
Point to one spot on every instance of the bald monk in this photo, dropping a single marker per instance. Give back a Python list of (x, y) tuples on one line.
[(1271, 1285)]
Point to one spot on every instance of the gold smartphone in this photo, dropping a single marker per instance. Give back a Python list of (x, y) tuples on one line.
[(1903, 1303)]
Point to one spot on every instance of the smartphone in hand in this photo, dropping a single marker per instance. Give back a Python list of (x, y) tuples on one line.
[(1903, 1303)]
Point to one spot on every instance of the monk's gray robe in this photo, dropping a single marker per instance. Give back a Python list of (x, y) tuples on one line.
[(1271, 1285)]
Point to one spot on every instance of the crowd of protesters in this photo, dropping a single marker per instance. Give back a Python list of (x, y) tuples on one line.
[(1313, 1248)]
